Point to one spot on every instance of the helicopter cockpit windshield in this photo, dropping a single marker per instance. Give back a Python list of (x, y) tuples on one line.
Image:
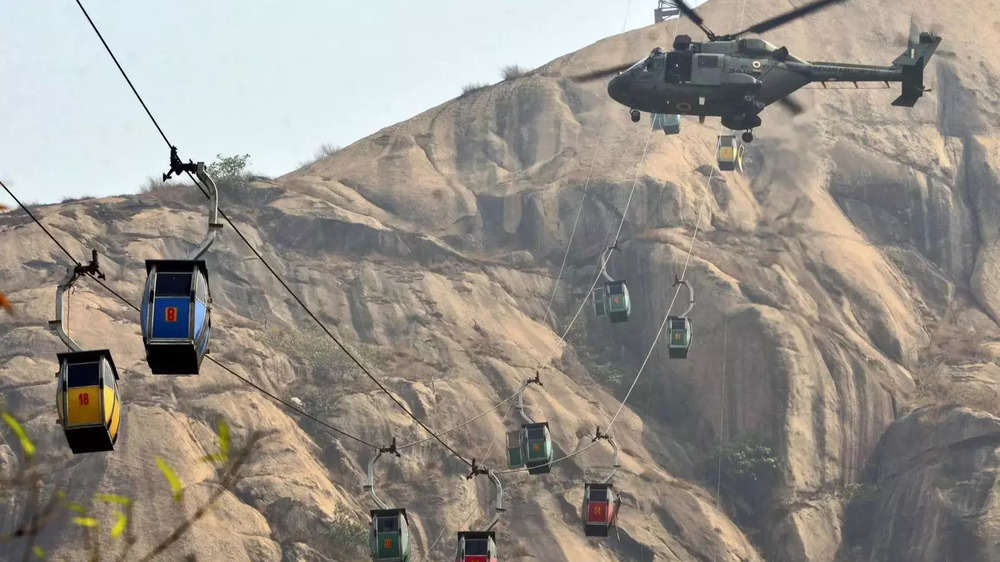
[(755, 47), (761, 48)]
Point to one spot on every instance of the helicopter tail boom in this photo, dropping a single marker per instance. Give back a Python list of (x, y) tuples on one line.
[(911, 64)]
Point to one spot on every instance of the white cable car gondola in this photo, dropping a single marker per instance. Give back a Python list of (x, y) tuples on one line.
[(176, 312), (88, 402)]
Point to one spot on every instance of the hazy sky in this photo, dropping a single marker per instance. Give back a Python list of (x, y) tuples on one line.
[(275, 79)]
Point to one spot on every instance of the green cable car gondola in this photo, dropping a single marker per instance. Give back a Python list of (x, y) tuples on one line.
[(538, 447), (88, 403), (530, 446), (390, 529), (681, 332), (614, 298), (390, 535), (669, 123)]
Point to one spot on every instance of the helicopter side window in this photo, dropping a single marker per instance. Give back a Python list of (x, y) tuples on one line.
[(679, 66), (708, 69), (708, 61)]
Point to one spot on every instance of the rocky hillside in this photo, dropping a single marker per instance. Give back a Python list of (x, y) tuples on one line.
[(846, 322)]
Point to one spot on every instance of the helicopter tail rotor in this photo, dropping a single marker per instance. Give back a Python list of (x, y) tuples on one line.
[(911, 63)]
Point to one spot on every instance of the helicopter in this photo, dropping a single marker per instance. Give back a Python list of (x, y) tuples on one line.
[(735, 78)]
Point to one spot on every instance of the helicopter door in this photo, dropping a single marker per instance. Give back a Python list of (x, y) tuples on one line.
[(707, 70), (679, 67)]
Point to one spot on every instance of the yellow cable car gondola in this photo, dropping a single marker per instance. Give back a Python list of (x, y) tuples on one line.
[(88, 402), (729, 153)]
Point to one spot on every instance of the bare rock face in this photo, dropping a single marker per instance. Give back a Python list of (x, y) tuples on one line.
[(848, 278), (931, 492)]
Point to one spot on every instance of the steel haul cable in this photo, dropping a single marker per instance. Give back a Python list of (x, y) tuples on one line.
[(246, 381), (274, 273), (649, 353)]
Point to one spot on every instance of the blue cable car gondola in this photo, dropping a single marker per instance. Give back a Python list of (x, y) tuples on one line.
[(176, 311), (681, 331), (390, 528), (88, 402)]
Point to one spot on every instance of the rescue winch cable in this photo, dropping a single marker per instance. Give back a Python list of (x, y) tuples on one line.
[(621, 224), (659, 332), (583, 199), (273, 272)]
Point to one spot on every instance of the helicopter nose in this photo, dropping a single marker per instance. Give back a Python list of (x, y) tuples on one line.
[(616, 89)]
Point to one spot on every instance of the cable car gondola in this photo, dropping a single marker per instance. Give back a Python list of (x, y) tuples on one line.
[(614, 298), (390, 538), (669, 123), (481, 546), (729, 153), (530, 446), (600, 509), (88, 403), (681, 331), (477, 546), (390, 528), (601, 503), (176, 311)]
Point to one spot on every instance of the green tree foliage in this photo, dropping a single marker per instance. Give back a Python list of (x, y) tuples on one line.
[(745, 471), (229, 169), (40, 514), (348, 534)]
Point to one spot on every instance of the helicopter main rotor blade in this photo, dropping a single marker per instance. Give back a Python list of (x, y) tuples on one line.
[(786, 17), (596, 74), (790, 104), (692, 15)]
